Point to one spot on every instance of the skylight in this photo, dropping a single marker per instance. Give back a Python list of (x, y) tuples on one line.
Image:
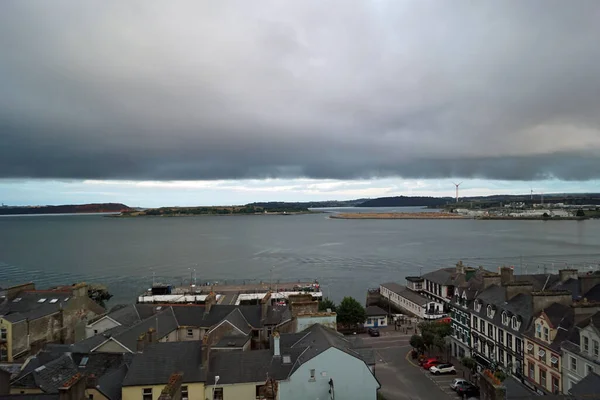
[(18, 299), (287, 359), (53, 301), (41, 300), (84, 361)]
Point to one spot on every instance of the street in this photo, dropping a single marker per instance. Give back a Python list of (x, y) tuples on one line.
[(401, 377)]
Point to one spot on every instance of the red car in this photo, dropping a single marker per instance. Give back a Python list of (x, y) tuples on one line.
[(426, 360), (430, 364)]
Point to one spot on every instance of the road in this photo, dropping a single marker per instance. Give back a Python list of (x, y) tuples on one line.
[(400, 377)]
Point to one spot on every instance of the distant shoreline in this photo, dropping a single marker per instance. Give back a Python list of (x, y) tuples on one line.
[(210, 215), (421, 215)]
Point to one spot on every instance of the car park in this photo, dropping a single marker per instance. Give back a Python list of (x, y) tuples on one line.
[(431, 363)]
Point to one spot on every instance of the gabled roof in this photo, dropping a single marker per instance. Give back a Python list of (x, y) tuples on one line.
[(164, 323), (411, 295), (237, 320), (159, 360), (587, 386), (561, 318), (374, 311), (124, 314), (442, 276), (32, 305), (50, 376)]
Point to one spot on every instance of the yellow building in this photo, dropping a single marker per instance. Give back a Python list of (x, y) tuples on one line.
[(543, 362)]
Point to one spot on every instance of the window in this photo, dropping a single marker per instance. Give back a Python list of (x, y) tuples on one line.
[(596, 348), (490, 311), (477, 305), (532, 371), (519, 345), (586, 344), (475, 322), (218, 393), (312, 374), (515, 322), (3, 353), (588, 369), (546, 334), (538, 330), (554, 361), (530, 349), (184, 393), (504, 318), (543, 377), (90, 397), (190, 333), (573, 364), (555, 386), (501, 336), (260, 391), (147, 394), (500, 357), (3, 333), (542, 356), (482, 326), (509, 341)]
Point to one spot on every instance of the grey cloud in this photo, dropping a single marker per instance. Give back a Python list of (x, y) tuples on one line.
[(337, 89)]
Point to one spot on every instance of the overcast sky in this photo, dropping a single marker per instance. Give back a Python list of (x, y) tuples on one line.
[(222, 102)]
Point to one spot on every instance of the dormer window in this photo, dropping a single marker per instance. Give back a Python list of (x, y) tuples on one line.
[(515, 323), (490, 311), (505, 318), (477, 305), (538, 330)]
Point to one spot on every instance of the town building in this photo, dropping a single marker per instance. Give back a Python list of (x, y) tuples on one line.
[(410, 300), (30, 318), (376, 317), (543, 363), (581, 354)]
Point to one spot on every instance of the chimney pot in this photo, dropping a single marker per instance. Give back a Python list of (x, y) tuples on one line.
[(276, 345)]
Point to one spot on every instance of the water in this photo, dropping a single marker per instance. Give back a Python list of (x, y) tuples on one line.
[(346, 256)]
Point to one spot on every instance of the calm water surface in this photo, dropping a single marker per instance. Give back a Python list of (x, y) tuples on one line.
[(346, 256)]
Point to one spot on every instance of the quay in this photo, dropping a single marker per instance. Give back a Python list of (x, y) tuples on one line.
[(228, 294)]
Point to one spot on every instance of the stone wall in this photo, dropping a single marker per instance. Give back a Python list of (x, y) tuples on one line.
[(489, 391)]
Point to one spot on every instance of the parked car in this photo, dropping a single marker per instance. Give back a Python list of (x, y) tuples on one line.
[(373, 332), (446, 368), (424, 360), (431, 363), (468, 391), (459, 383)]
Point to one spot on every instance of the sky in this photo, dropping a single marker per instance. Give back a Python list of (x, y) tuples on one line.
[(155, 103)]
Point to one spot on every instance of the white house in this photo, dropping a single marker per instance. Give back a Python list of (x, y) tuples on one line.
[(376, 317), (411, 301), (329, 367)]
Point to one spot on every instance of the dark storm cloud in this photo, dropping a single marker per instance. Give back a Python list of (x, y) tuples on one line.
[(334, 89)]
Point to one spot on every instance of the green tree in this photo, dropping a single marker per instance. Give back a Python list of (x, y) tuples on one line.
[(428, 339), (325, 304), (469, 363), (351, 312), (580, 213), (416, 341)]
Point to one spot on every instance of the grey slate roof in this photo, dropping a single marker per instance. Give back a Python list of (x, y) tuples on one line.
[(374, 311), (250, 366), (442, 276), (163, 322), (593, 294), (191, 315), (232, 342), (413, 296), (50, 376), (125, 314), (277, 314), (562, 318), (539, 281), (590, 385), (29, 307), (520, 306), (236, 319), (159, 360), (393, 286), (110, 384)]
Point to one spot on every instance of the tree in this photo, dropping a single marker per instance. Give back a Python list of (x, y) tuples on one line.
[(469, 363), (580, 213), (325, 304), (351, 312), (440, 343), (416, 341), (428, 339)]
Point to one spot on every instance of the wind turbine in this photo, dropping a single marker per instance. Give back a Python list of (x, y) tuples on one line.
[(457, 185), (531, 193)]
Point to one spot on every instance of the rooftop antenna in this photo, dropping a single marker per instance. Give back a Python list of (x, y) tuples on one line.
[(457, 185)]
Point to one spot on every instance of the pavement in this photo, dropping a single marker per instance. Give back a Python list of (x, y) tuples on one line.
[(401, 377)]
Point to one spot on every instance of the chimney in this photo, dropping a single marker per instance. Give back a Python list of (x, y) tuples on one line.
[(91, 381), (140, 343), (172, 390), (265, 302), (460, 268), (542, 300), (514, 288), (587, 282), (584, 309), (491, 279), (73, 389), (506, 275), (80, 290), (205, 352), (566, 274), (209, 301), (276, 347), (151, 335)]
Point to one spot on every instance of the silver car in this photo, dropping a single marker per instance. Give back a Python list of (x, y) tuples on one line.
[(459, 383)]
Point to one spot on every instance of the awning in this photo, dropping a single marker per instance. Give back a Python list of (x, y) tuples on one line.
[(529, 347)]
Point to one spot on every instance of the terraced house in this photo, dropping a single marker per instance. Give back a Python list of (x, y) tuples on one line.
[(581, 354)]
